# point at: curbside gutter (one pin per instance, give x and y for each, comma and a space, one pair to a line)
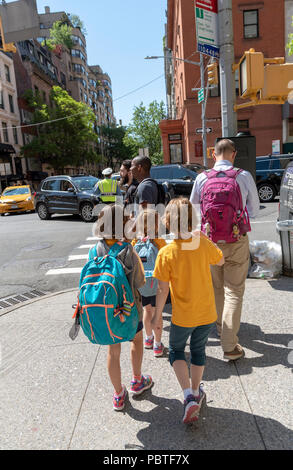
37, 299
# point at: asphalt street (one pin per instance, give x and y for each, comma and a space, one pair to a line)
48, 255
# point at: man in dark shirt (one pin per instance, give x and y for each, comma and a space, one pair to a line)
127, 183
147, 191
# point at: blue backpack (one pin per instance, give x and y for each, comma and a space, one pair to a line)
106, 307
148, 253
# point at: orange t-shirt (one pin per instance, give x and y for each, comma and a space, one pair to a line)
185, 265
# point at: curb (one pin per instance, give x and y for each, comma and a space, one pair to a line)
38, 299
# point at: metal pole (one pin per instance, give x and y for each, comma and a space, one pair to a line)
203, 112
227, 78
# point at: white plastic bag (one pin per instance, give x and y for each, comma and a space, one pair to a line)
266, 259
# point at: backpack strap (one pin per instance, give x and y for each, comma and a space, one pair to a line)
117, 248
230, 172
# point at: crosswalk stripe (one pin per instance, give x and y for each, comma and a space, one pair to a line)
91, 238
75, 257
83, 247
53, 272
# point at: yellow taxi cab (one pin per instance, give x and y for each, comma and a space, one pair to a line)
16, 199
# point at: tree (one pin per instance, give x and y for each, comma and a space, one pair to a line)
115, 148
60, 33
61, 142
77, 23
290, 43
144, 131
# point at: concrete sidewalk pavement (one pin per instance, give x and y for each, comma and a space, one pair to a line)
55, 393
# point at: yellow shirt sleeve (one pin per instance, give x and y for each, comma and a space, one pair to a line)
162, 270
160, 243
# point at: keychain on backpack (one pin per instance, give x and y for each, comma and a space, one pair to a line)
236, 231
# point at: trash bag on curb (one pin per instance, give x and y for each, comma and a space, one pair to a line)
266, 259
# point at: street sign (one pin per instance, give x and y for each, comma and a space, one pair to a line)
206, 14
200, 95
200, 130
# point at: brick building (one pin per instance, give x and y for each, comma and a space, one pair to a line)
255, 26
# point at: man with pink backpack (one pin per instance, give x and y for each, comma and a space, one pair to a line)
228, 198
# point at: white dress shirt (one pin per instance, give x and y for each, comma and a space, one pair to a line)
246, 183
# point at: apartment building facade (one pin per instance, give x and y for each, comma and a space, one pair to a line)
10, 134
255, 26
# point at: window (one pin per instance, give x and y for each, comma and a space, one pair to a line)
290, 127
5, 132
7, 73
176, 153
15, 136
65, 185
250, 24
11, 105
51, 185
175, 136
2, 100
243, 124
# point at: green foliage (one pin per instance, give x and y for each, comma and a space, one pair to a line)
69, 141
144, 131
60, 33
116, 148
289, 46
77, 23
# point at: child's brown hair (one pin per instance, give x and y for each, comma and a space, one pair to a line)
111, 222
148, 224
180, 217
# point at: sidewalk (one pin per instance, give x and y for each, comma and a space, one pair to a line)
55, 393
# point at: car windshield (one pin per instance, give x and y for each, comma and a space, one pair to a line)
85, 183
15, 192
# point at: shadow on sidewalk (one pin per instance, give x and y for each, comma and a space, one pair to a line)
216, 428
272, 350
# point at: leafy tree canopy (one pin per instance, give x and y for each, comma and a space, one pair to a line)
60, 33
144, 131
70, 141
116, 149
290, 43
77, 23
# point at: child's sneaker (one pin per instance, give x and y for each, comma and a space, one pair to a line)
149, 343
119, 400
139, 387
190, 410
200, 398
159, 350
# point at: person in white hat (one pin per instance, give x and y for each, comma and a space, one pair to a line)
108, 188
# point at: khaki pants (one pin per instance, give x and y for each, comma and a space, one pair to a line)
229, 285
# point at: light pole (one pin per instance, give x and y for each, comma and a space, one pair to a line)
204, 102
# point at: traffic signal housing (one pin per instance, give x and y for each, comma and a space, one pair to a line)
213, 74
251, 73
277, 81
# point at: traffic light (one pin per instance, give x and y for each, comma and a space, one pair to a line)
277, 81
251, 73
213, 74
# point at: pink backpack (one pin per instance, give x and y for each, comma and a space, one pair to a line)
223, 216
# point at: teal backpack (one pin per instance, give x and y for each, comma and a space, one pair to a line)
106, 309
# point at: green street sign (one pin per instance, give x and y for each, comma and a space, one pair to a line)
201, 95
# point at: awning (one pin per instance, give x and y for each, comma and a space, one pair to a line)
6, 149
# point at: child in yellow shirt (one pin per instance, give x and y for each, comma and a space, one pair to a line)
184, 266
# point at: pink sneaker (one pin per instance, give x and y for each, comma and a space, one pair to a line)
159, 351
119, 400
139, 387
149, 343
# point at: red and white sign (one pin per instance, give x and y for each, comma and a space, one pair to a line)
209, 5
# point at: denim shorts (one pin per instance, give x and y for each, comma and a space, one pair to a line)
148, 301
198, 340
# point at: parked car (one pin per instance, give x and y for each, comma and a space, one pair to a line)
67, 195
16, 199
269, 173
179, 177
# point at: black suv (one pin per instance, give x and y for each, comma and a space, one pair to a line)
179, 177
269, 173
66, 195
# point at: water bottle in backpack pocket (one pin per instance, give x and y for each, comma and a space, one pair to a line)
106, 307
148, 253
223, 217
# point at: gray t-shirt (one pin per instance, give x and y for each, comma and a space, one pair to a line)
147, 191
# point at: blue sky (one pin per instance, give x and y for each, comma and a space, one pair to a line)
120, 33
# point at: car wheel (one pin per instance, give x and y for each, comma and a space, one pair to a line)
266, 192
86, 212
43, 212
